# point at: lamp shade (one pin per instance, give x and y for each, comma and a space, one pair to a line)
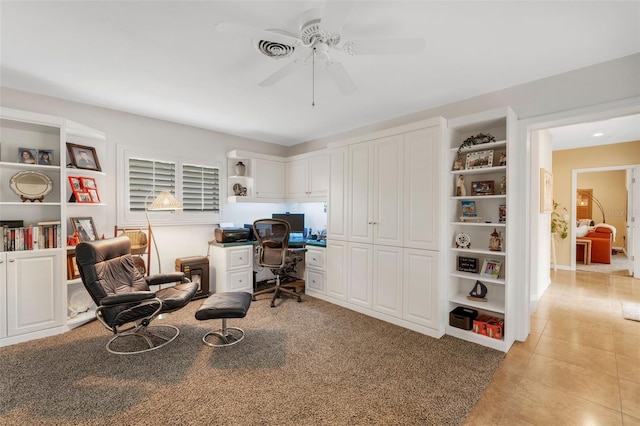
165, 201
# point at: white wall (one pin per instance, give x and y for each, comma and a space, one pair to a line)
541, 145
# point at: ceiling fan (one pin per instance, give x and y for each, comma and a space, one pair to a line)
320, 33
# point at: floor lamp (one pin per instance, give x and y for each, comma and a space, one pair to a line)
163, 202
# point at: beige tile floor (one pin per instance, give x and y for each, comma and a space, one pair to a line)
579, 366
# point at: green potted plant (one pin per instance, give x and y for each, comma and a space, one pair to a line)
559, 225
480, 138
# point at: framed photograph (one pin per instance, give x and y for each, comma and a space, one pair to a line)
468, 264
27, 155
491, 268
93, 193
76, 184
85, 227
83, 157
479, 159
546, 191
45, 157
88, 183
83, 197
483, 187
72, 267
469, 208
502, 213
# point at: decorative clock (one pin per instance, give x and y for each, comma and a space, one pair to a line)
463, 240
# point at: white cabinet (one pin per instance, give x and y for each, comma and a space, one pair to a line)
479, 184
387, 276
34, 292
338, 194
315, 270
232, 267
307, 178
360, 274
268, 178
34, 296
389, 183
336, 283
420, 287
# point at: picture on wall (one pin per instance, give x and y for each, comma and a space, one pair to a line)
546, 191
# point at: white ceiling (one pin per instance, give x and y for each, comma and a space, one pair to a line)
615, 130
166, 59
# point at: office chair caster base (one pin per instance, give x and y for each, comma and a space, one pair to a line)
229, 336
149, 334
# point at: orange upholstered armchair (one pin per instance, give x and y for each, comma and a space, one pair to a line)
601, 244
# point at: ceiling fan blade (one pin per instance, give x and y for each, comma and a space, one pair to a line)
400, 46
335, 15
282, 72
245, 30
342, 78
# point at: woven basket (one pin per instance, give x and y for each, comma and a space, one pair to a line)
139, 242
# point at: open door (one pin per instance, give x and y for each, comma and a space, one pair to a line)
633, 221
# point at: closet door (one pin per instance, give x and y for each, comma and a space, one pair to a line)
388, 190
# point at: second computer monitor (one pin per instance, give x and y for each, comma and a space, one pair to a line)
296, 220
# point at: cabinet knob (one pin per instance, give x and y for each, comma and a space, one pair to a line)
314, 259
239, 281
12, 260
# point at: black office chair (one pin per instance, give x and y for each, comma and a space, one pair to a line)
274, 253
125, 304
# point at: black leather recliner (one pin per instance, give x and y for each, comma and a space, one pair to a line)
125, 304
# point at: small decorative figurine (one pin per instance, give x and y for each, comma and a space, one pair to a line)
478, 293
460, 191
495, 243
503, 159
457, 164
503, 185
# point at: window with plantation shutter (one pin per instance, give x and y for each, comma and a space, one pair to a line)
195, 182
200, 188
149, 177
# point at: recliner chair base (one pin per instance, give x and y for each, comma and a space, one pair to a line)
228, 335
148, 334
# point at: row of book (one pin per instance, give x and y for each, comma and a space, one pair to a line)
43, 235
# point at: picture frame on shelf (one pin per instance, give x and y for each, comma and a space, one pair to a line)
85, 227
83, 197
546, 191
88, 183
491, 268
479, 159
483, 187
502, 213
45, 157
93, 193
467, 264
84, 190
27, 155
75, 183
468, 208
72, 267
83, 157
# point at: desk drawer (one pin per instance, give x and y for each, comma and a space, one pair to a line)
240, 281
315, 257
239, 257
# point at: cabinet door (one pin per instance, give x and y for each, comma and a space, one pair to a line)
422, 189
268, 178
388, 191
319, 176
338, 192
336, 269
360, 274
420, 290
387, 280
34, 291
296, 174
360, 217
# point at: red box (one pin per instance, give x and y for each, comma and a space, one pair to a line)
480, 325
495, 328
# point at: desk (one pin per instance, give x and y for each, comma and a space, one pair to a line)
586, 243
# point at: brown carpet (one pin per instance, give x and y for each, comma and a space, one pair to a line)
309, 363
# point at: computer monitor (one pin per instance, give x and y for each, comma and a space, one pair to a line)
296, 220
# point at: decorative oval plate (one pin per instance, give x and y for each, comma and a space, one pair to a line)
30, 185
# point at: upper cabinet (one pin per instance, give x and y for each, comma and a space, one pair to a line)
253, 178
307, 178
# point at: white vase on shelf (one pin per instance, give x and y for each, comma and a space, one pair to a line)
240, 168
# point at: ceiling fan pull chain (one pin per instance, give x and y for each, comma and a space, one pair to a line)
313, 80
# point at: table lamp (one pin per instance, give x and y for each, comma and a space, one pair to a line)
163, 202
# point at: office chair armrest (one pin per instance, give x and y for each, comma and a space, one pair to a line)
168, 277
123, 298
